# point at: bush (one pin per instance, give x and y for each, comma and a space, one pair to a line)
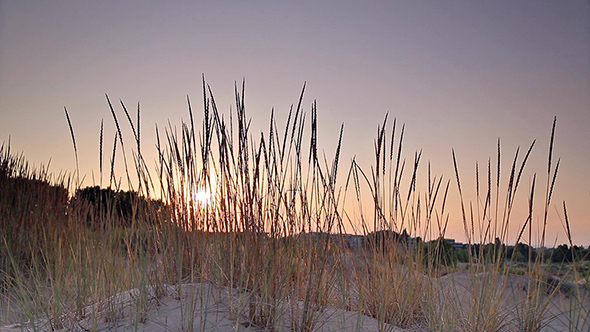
122, 208
439, 253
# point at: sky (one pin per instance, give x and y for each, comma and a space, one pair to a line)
459, 74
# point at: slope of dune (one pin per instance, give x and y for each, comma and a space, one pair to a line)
205, 307
202, 307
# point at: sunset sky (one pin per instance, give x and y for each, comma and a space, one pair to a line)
459, 74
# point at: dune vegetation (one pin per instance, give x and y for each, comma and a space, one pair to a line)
237, 230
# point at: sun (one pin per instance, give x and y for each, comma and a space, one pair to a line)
201, 196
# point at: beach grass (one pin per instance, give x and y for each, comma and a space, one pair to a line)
271, 241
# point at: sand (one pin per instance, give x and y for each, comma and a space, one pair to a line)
205, 307
212, 308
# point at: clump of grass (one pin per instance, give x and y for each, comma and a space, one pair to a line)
272, 234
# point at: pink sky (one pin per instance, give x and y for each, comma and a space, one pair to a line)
460, 74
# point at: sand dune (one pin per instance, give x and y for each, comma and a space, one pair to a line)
202, 307
205, 307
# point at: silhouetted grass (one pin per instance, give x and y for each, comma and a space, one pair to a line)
272, 234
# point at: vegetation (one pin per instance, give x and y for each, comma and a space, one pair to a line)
272, 234
439, 253
127, 207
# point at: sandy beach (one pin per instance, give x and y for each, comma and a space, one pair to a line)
206, 307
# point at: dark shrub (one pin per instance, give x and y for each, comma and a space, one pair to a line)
119, 208
439, 253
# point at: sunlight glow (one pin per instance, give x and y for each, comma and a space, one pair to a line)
201, 196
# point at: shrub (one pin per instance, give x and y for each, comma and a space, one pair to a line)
439, 253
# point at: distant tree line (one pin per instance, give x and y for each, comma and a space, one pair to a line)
30, 201
119, 208
523, 253
441, 252
564, 253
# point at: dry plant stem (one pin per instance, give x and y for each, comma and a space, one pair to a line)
75, 148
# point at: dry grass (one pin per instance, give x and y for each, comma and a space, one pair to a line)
271, 235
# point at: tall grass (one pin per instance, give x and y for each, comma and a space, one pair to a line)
271, 236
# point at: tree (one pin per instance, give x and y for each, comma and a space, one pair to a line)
439, 252
121, 207
520, 253
561, 254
